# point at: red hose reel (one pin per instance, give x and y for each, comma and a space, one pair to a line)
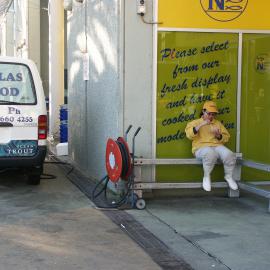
118, 160
119, 165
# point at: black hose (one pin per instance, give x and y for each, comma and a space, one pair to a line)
124, 158
104, 189
95, 195
60, 163
122, 200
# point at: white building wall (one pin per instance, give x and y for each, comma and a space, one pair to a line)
44, 46
34, 31
138, 109
7, 33
9, 43
22, 30
3, 38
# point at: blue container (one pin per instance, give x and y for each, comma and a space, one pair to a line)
63, 123
63, 112
63, 131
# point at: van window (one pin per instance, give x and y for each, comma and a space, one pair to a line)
16, 84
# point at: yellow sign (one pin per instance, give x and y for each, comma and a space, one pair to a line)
192, 68
214, 14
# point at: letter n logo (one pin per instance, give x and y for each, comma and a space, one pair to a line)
219, 4
224, 10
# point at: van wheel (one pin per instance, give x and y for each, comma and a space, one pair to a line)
33, 179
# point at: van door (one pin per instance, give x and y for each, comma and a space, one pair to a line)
19, 111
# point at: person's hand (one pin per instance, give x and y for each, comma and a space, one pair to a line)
217, 132
203, 123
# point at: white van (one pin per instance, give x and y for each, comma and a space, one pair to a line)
23, 118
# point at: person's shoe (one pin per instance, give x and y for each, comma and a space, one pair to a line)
206, 183
232, 184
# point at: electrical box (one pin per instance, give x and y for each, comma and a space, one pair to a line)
141, 9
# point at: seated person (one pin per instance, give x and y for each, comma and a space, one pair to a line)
208, 137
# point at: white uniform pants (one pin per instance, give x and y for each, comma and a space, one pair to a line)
209, 156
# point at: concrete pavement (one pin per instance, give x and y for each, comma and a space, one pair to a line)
54, 226
212, 232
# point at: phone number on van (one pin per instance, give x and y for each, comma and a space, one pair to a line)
21, 119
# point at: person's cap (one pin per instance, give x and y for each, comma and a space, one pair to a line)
210, 106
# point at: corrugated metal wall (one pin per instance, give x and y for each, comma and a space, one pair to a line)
95, 106
120, 89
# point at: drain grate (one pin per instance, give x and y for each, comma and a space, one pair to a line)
156, 249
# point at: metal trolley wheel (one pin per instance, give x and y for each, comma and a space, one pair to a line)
140, 204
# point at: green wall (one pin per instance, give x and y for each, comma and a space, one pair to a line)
255, 105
